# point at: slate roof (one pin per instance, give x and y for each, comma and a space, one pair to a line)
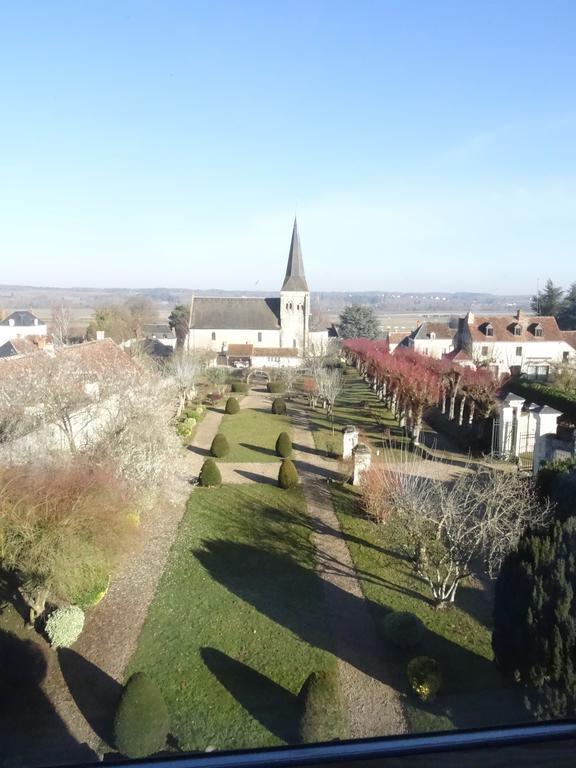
295, 279
441, 331
22, 317
504, 328
254, 314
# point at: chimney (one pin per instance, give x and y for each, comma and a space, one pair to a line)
470, 318
100, 335
519, 314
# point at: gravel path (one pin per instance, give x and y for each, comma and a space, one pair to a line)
374, 708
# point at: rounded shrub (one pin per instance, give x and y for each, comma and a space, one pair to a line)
219, 447
287, 476
92, 595
186, 427
141, 723
320, 709
284, 445
425, 677
402, 629
276, 387
64, 626
232, 406
279, 406
210, 476
239, 387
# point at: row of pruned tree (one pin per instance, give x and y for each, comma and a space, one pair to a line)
409, 383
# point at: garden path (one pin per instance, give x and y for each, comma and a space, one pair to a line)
374, 708
83, 683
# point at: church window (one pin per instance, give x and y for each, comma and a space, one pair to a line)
286, 305
213, 335
291, 305
259, 335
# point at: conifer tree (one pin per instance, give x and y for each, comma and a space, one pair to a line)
548, 302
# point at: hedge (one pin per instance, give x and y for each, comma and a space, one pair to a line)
287, 476
402, 629
544, 394
276, 387
284, 445
232, 406
279, 406
210, 476
219, 447
141, 723
320, 709
239, 387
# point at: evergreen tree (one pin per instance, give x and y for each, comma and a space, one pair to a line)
549, 301
534, 636
178, 321
567, 314
359, 321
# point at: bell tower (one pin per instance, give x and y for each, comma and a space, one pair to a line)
294, 299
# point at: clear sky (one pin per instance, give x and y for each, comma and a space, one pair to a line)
425, 145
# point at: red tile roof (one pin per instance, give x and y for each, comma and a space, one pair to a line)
569, 337
503, 328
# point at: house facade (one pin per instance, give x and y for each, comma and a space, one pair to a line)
432, 339
19, 324
270, 323
513, 344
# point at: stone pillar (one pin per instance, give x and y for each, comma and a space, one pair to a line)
546, 424
349, 440
509, 432
362, 460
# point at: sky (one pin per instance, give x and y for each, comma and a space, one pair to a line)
424, 145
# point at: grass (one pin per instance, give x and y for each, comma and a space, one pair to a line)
252, 435
238, 621
459, 637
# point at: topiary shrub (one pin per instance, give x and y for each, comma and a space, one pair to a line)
219, 447
276, 387
402, 629
284, 445
287, 476
64, 626
320, 709
279, 406
425, 677
210, 476
141, 723
232, 406
239, 387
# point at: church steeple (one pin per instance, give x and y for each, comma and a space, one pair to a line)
295, 279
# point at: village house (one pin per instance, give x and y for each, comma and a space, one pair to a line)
269, 325
513, 344
432, 339
20, 324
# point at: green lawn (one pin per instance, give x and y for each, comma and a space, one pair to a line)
459, 638
252, 435
238, 620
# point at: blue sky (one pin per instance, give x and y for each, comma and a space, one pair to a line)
424, 145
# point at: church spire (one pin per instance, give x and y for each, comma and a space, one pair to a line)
295, 279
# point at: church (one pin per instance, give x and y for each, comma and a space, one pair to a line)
274, 330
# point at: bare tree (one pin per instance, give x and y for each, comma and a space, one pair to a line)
61, 320
443, 527
185, 371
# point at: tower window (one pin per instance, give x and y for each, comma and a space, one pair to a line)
286, 305
294, 343
213, 335
291, 305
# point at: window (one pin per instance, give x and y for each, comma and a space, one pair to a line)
294, 343
565, 356
213, 335
489, 330
484, 351
259, 335
517, 329
538, 330
518, 351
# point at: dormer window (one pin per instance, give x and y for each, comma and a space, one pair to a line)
489, 329
537, 330
431, 335
517, 329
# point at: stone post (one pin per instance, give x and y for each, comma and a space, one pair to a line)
546, 424
510, 414
362, 460
349, 440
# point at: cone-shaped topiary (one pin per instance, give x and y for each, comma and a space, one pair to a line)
219, 447
210, 476
320, 709
403, 629
232, 406
279, 406
284, 445
141, 723
287, 476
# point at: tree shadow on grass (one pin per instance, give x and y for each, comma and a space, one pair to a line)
256, 477
474, 602
31, 731
198, 451
96, 694
9, 593
259, 449
270, 704
278, 587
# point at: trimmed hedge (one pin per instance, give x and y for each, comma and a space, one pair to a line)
320, 709
287, 476
232, 406
276, 387
142, 722
402, 629
239, 387
279, 406
544, 394
219, 447
425, 677
284, 445
210, 476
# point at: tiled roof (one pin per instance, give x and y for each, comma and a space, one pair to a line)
569, 337
89, 357
240, 350
440, 331
22, 317
20, 346
503, 328
457, 354
254, 314
275, 352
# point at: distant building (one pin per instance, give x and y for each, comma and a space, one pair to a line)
283, 322
19, 324
432, 339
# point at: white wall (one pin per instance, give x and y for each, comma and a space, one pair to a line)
432, 347
9, 332
534, 353
201, 338
276, 362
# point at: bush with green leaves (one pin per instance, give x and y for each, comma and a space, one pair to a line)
425, 677
219, 447
402, 629
279, 406
210, 476
64, 626
92, 595
320, 708
186, 427
276, 387
239, 387
232, 406
287, 476
284, 445
142, 722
